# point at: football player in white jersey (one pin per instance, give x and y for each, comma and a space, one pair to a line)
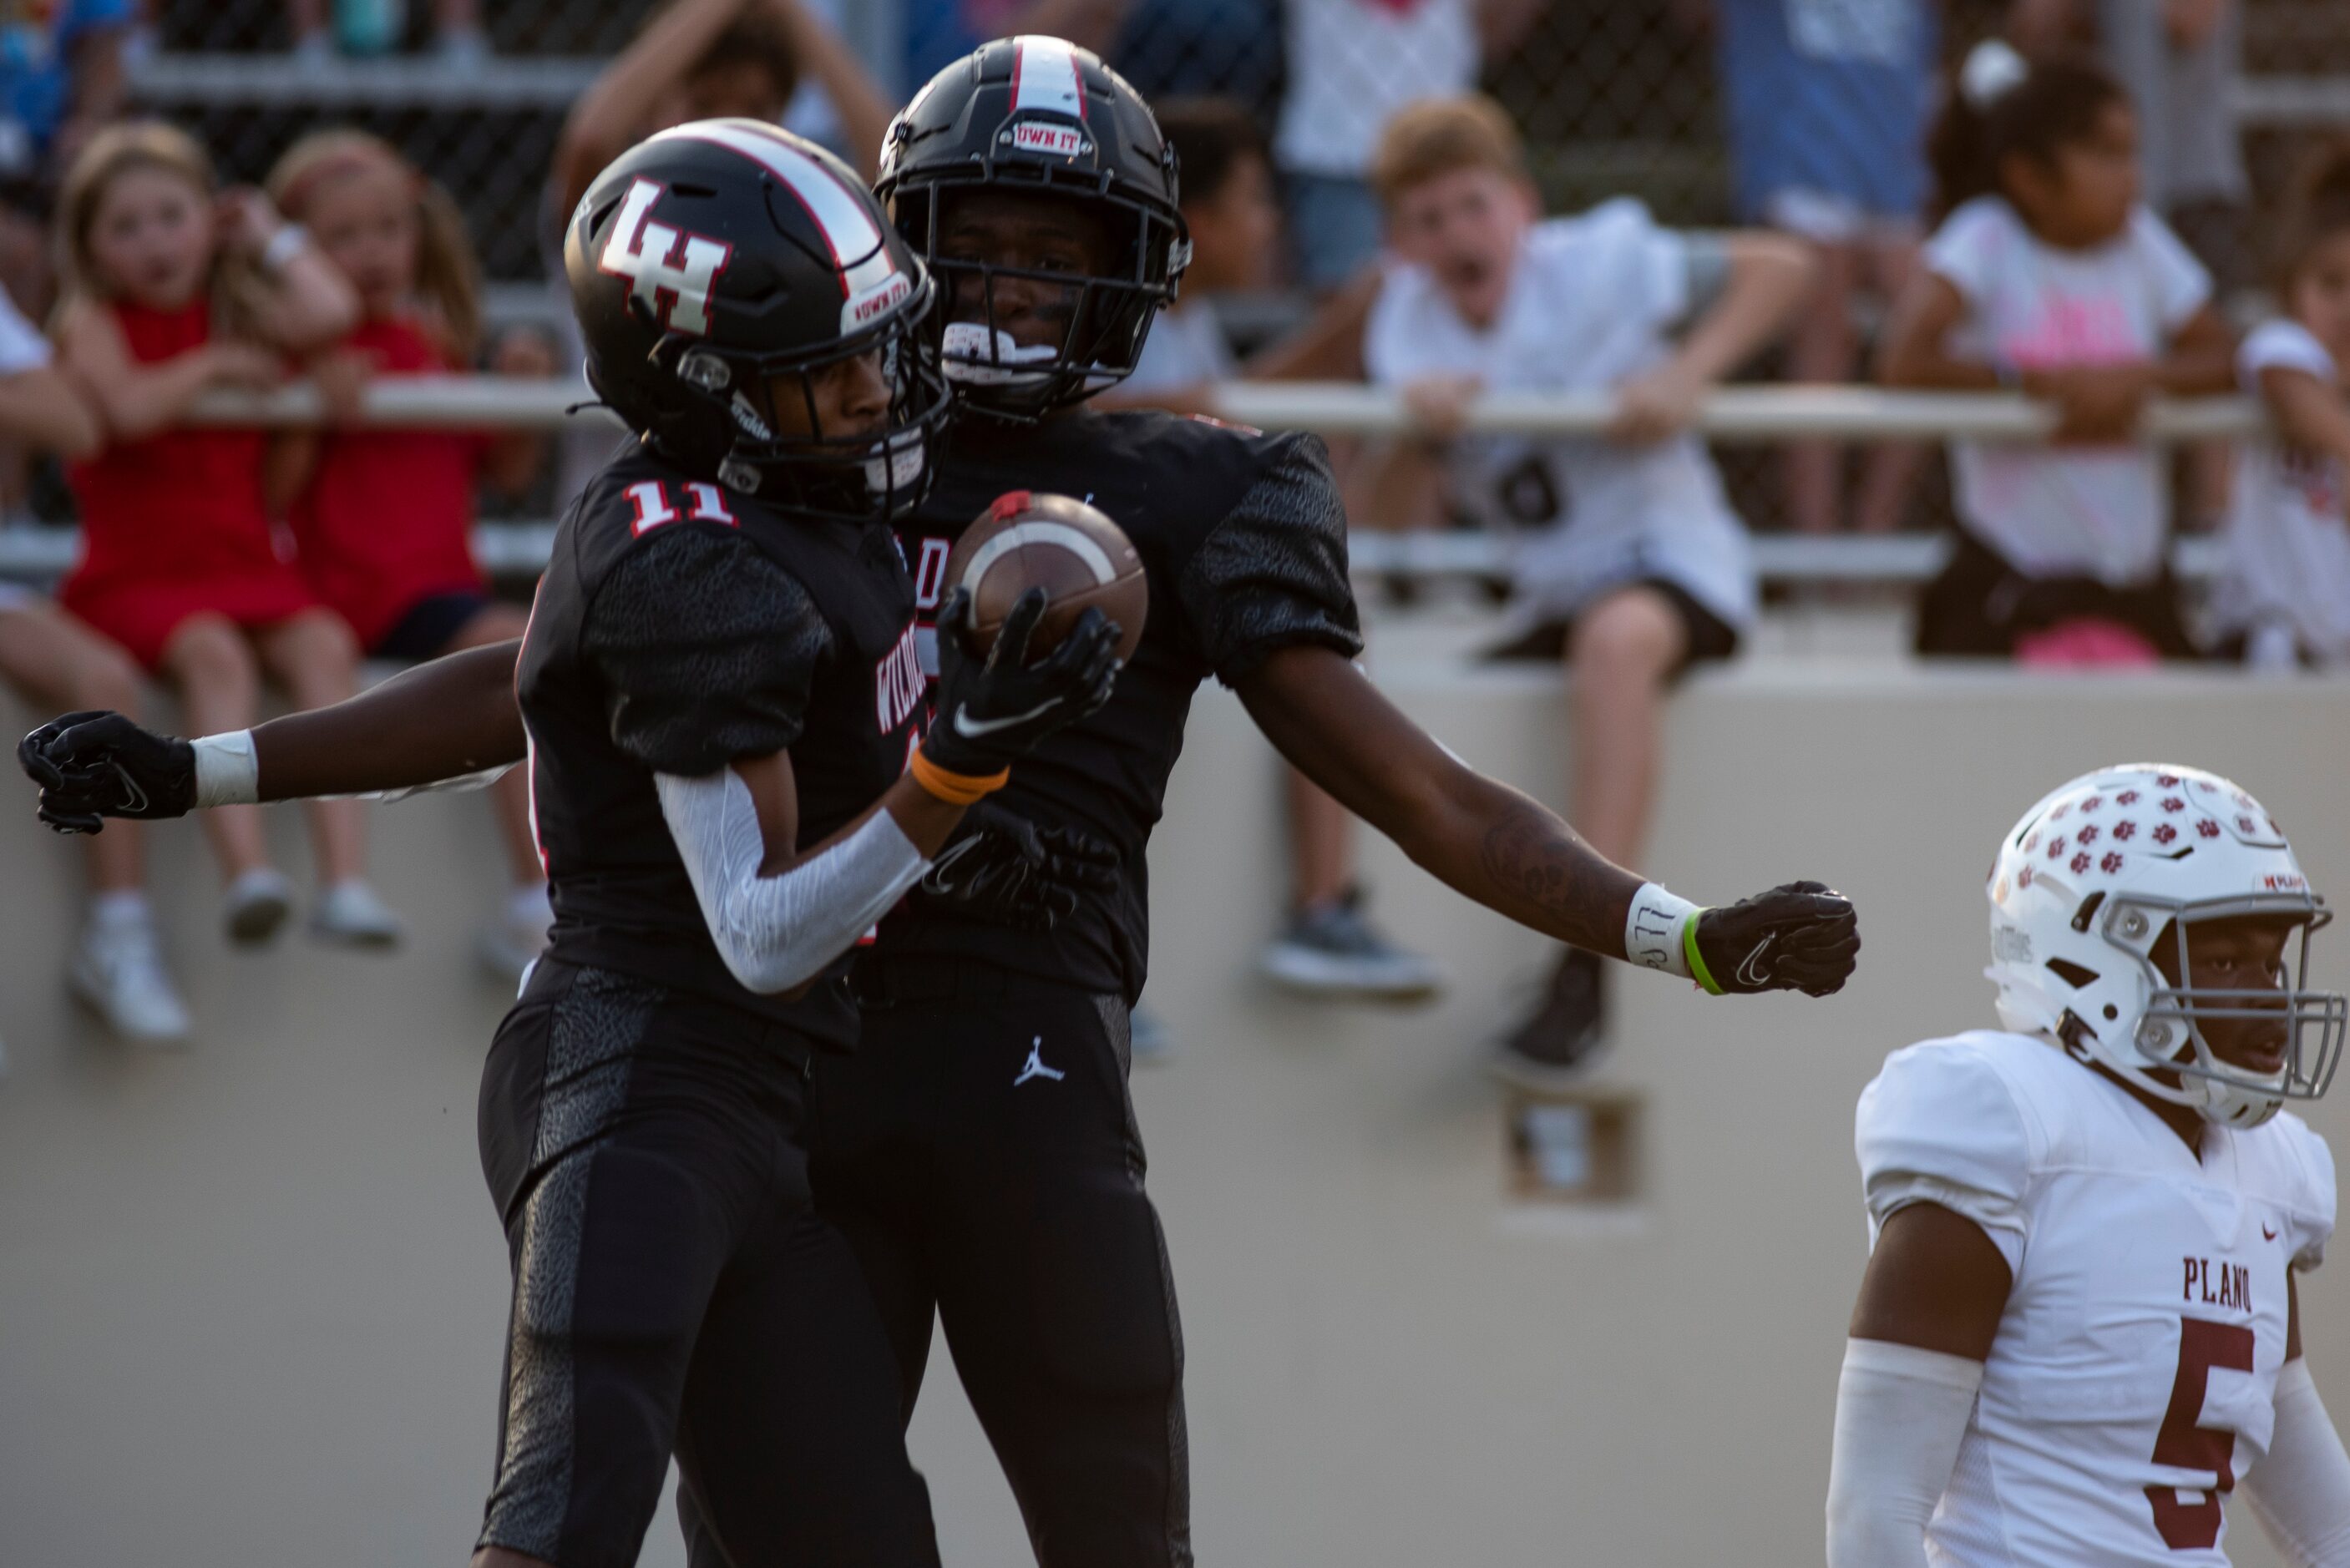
2078, 1330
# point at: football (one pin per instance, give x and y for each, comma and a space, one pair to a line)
1072, 551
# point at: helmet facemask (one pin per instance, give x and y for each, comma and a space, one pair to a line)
867, 476
2171, 1035
1107, 312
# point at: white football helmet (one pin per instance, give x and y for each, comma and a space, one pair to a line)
2103, 869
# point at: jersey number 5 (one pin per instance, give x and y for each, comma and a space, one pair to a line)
2185, 1442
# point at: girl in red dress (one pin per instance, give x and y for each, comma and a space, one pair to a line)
384, 518
173, 290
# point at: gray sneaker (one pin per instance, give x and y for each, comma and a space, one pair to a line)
352, 915
1557, 1042
257, 903
1333, 951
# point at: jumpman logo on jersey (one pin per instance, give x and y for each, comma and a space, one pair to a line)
1035, 1067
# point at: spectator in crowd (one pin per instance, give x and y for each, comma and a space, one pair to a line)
696, 59
61, 79
1328, 945
1172, 50
384, 518
1825, 108
712, 59
173, 290
1629, 561
55, 663
321, 28
2284, 597
2180, 61
2048, 274
1353, 64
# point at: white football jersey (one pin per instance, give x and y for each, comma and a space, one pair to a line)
2134, 1378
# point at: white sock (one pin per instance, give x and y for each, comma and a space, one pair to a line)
113, 912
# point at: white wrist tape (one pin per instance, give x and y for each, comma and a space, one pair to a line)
1653, 931
2301, 1492
1901, 1415
776, 932
228, 772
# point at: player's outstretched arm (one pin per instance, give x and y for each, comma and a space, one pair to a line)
440, 720
1491, 843
2301, 1492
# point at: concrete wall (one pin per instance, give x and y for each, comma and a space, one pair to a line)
251, 1297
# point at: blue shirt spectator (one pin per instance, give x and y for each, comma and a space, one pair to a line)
1202, 49
38, 45
1826, 102
941, 32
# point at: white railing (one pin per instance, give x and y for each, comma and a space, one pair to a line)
1737, 414
1743, 414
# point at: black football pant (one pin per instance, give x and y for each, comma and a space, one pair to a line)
673, 1291
980, 1153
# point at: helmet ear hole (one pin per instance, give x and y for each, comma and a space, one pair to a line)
2071, 973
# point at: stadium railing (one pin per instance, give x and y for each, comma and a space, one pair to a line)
1733, 415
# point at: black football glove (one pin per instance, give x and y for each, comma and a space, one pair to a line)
95, 765
992, 709
1003, 868
1802, 936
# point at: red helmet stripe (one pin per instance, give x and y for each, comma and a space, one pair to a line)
838, 212
1045, 77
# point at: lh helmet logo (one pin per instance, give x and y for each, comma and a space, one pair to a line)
672, 272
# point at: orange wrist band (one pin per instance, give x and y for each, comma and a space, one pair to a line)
955, 789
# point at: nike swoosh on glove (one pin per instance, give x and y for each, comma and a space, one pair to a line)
991, 710
1800, 936
95, 765
1002, 867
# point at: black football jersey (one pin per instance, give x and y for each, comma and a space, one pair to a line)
681, 625
1244, 541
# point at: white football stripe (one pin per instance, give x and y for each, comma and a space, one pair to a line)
1075, 541
840, 217
1045, 77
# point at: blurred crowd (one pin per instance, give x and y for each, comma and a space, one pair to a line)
2061, 208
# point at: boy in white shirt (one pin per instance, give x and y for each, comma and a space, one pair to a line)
1629, 558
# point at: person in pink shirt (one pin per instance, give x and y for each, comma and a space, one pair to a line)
2049, 275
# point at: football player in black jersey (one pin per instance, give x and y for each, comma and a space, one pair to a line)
725, 709
979, 1150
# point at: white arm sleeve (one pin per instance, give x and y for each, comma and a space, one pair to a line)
1901, 1414
776, 932
2301, 1492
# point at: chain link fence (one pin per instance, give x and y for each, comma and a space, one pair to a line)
1614, 98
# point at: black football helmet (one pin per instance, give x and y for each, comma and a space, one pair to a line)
712, 266
1039, 115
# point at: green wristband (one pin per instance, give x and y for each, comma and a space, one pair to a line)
1698, 971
